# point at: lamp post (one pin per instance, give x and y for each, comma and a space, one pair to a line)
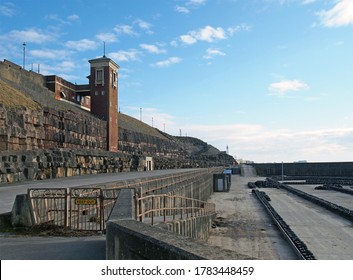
24, 55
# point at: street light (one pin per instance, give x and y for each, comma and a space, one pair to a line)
24, 55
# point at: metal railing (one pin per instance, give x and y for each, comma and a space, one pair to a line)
166, 207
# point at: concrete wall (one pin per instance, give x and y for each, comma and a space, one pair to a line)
128, 239
334, 169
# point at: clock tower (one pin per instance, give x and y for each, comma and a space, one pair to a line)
103, 82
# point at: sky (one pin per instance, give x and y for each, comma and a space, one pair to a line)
272, 80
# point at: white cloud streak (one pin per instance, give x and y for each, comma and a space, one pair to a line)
7, 9
167, 63
340, 15
285, 86
130, 55
82, 45
258, 142
152, 49
50, 54
31, 35
208, 34
212, 53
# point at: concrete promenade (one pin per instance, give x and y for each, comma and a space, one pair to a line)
8, 192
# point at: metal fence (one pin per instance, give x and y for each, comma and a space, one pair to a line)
74, 208
163, 208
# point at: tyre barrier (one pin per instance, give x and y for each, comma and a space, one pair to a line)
313, 180
335, 187
337, 209
298, 245
261, 184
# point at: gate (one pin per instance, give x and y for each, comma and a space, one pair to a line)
74, 208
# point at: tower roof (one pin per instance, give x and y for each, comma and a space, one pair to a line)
104, 61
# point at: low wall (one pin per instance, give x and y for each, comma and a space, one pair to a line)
128, 239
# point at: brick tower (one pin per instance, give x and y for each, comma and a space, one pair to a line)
104, 96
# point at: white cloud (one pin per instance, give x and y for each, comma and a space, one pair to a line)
125, 29
152, 49
263, 144
82, 45
241, 27
191, 4
50, 54
124, 55
144, 25
31, 35
208, 34
212, 53
7, 9
60, 69
70, 19
73, 17
306, 2
168, 62
107, 37
196, 2
340, 15
258, 142
284, 86
182, 10
188, 39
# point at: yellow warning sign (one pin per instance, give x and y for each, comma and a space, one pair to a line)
85, 201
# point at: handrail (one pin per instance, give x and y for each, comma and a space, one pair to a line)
171, 206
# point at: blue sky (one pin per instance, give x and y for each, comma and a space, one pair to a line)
270, 79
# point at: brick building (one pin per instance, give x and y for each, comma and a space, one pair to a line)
100, 96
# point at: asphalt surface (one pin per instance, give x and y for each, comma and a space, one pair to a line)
52, 248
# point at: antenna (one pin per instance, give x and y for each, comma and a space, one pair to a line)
103, 49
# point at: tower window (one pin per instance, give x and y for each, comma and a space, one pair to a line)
99, 77
115, 79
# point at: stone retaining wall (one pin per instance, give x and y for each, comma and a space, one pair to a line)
48, 164
22, 129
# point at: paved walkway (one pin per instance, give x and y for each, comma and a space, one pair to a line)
8, 192
244, 227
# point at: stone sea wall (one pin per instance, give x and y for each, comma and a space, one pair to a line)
48, 164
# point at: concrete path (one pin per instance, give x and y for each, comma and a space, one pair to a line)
8, 192
327, 235
246, 228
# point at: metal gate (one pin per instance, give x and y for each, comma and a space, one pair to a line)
74, 208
